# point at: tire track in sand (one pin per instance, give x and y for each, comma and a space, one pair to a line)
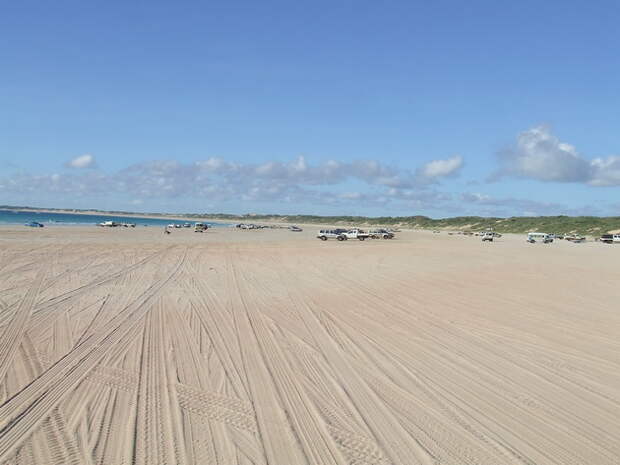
315, 440
277, 439
398, 445
12, 336
157, 440
21, 414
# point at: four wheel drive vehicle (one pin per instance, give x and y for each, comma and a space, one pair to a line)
34, 224
359, 234
200, 227
488, 237
356, 234
607, 238
610, 238
338, 234
381, 234
534, 237
295, 229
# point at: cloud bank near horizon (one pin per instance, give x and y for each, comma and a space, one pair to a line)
219, 179
537, 154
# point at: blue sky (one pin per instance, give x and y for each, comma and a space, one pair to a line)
375, 108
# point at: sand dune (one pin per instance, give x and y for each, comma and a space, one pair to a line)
269, 347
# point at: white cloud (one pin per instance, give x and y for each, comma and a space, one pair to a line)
432, 171
540, 155
606, 171
216, 179
82, 161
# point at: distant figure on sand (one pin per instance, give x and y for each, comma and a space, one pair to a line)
166, 231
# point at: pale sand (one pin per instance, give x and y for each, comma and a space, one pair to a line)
122, 346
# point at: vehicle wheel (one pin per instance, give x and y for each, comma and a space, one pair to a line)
323, 238
361, 238
340, 238
385, 237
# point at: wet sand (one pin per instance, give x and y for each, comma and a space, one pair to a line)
127, 346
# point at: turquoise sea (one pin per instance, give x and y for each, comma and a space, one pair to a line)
68, 219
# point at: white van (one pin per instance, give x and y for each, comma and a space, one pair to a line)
610, 238
533, 237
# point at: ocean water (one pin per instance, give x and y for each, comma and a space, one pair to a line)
68, 219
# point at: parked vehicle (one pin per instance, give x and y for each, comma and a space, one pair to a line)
610, 238
381, 234
200, 227
249, 226
534, 237
337, 234
358, 234
488, 237
295, 229
187, 225
34, 224
109, 224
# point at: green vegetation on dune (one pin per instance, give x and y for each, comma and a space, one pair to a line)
583, 225
590, 225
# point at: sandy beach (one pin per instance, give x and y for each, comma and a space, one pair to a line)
128, 346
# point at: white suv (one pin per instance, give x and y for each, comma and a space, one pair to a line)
337, 234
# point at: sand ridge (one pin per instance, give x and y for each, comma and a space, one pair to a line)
271, 347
